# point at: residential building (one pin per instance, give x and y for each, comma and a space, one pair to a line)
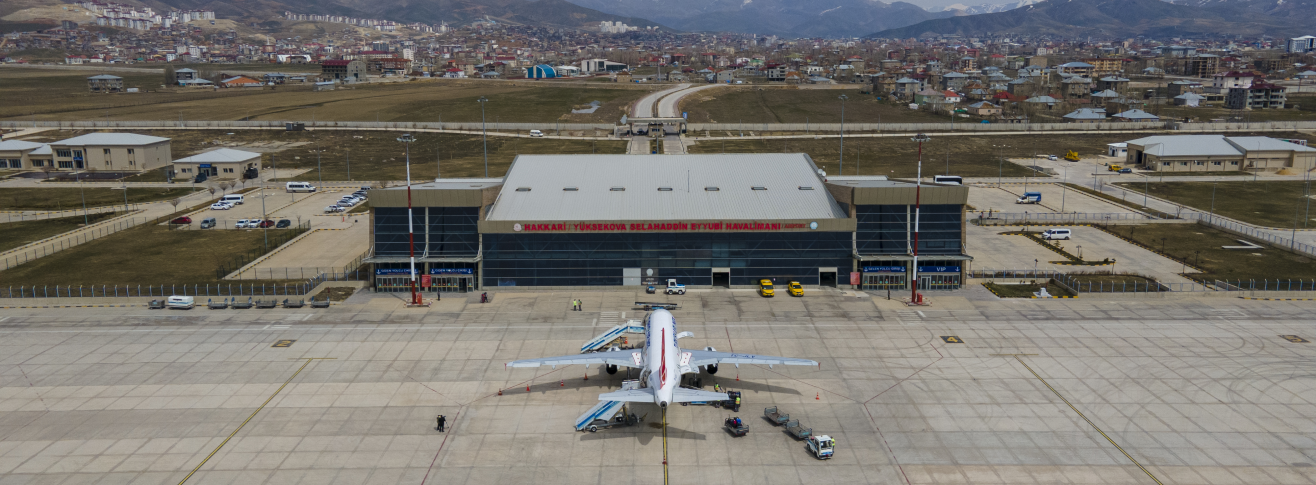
1086, 115
984, 109
353, 70
1113, 83
1189, 100
1207, 153
1081, 69
184, 74
1222, 82
1135, 115
1259, 95
1180, 87
1202, 65
1106, 66
241, 82
1302, 44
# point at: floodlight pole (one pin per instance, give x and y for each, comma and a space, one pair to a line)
841, 171
406, 140
485, 135
918, 188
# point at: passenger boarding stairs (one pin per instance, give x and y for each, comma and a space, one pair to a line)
605, 410
607, 338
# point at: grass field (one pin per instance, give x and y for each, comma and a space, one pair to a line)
1026, 290
62, 95
15, 234
782, 105
67, 198
149, 254
967, 156
1201, 246
1267, 203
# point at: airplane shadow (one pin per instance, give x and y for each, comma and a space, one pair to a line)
743, 386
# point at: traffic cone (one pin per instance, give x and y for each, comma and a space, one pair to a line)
817, 397
562, 383
527, 388
500, 392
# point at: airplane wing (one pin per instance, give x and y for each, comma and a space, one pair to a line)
631, 395
622, 358
706, 357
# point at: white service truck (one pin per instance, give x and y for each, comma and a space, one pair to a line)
674, 288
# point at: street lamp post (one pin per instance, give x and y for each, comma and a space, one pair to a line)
1064, 189
1213, 187
918, 188
349, 164
485, 135
406, 140
842, 152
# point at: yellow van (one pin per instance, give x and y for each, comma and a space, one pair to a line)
765, 288
795, 288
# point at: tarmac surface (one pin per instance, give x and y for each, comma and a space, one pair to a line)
1174, 391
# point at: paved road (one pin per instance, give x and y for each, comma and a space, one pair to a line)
670, 106
644, 108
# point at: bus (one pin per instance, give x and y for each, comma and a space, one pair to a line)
948, 179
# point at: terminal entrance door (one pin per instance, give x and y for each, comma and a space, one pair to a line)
884, 281
722, 277
452, 284
389, 284
827, 277
939, 281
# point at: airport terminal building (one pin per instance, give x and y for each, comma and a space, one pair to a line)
705, 220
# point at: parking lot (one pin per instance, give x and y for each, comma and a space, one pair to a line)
1059, 391
1055, 198
279, 204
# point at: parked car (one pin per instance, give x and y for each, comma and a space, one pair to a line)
182, 220
265, 224
333, 208
235, 199
1051, 234
536, 133
1125, 170
208, 223
283, 223
241, 224
221, 206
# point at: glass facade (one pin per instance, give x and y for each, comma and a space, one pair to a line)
452, 231
582, 259
884, 229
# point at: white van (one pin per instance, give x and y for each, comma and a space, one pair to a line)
1050, 234
948, 179
536, 133
299, 187
234, 199
184, 302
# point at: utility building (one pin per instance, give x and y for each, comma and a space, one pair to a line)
1214, 153
705, 220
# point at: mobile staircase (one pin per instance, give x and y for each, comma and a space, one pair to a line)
606, 339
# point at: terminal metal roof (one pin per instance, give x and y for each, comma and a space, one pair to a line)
1260, 143
1185, 145
220, 156
18, 145
664, 187
110, 139
455, 184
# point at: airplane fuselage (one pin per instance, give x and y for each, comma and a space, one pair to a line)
662, 356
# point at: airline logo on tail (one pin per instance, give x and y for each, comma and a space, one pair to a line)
662, 369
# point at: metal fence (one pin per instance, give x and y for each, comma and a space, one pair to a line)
1252, 232
161, 291
1075, 281
24, 216
293, 272
70, 239
276, 240
1015, 218
756, 127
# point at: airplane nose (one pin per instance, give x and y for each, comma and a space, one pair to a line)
662, 404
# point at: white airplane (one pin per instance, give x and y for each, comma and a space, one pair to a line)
662, 363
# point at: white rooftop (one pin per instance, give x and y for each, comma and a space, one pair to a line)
18, 145
220, 155
1186, 145
110, 139
663, 187
1259, 143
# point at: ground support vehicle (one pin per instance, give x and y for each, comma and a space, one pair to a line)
795, 288
609, 414
181, 302
822, 446
320, 303
606, 339
1030, 198
241, 305
777, 418
1071, 156
294, 304
217, 305
155, 304
674, 288
765, 288
267, 303
735, 426
730, 403
650, 305
797, 430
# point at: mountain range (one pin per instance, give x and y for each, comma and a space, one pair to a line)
1126, 18
788, 18
543, 13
